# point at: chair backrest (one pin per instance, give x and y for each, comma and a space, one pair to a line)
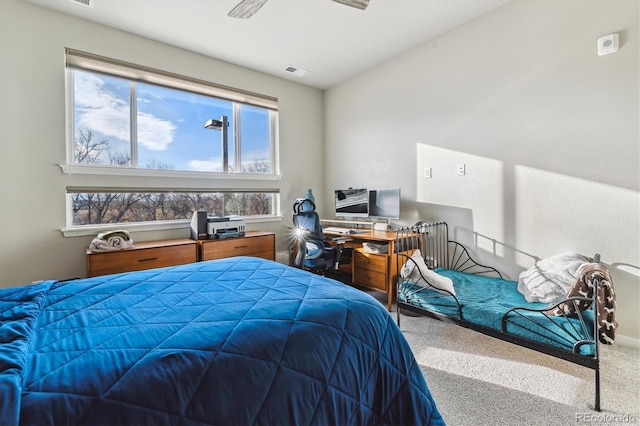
305, 218
307, 225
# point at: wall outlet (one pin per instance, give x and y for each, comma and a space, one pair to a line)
427, 172
461, 169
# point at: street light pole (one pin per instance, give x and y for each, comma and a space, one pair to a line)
223, 126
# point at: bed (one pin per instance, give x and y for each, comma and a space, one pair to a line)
233, 341
438, 278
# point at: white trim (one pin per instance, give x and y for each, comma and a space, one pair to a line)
76, 59
628, 342
133, 123
275, 146
92, 230
83, 169
69, 115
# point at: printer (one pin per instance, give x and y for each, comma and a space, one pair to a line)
205, 227
225, 227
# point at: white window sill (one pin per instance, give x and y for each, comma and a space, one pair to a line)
79, 169
86, 230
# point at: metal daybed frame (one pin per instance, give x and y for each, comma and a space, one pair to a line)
438, 251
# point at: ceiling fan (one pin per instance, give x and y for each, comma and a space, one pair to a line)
246, 8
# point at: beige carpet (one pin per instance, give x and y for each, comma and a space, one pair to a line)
479, 380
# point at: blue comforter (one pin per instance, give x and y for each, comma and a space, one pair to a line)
236, 341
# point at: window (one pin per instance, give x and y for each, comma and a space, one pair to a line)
127, 120
127, 207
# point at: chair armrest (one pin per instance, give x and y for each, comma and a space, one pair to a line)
341, 240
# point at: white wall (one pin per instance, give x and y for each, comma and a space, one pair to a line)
32, 134
548, 130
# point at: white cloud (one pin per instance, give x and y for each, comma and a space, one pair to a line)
103, 112
212, 165
154, 133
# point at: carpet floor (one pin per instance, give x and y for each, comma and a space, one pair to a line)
480, 380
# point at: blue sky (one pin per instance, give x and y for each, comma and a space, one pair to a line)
170, 123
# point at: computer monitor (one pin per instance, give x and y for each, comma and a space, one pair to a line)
352, 202
384, 204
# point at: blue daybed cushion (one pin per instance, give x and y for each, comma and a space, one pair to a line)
485, 300
234, 341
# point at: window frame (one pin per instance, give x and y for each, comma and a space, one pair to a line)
101, 178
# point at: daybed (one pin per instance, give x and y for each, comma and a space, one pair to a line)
439, 279
236, 341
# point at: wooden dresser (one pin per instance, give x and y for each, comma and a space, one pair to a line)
144, 255
254, 243
156, 254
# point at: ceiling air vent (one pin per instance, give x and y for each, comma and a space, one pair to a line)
88, 3
296, 71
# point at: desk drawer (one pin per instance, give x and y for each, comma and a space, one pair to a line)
372, 261
370, 279
260, 246
139, 259
370, 270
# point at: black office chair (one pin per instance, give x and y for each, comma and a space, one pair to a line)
314, 253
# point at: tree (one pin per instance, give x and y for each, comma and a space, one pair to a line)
94, 208
87, 149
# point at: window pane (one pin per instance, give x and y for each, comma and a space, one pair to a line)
171, 132
132, 122
102, 120
255, 145
103, 207
249, 204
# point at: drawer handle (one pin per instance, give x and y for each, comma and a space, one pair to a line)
240, 247
148, 259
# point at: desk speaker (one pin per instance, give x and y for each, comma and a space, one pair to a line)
199, 225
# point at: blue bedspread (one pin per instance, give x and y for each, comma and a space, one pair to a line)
235, 341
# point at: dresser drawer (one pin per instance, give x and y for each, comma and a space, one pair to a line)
156, 255
262, 245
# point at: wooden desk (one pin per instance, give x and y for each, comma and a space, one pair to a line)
376, 271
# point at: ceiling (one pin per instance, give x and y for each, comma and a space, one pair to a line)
331, 41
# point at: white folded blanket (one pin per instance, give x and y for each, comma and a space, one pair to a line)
111, 243
550, 279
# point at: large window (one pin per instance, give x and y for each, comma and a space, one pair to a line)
127, 120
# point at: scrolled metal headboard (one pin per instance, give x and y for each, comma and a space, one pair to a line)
437, 250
